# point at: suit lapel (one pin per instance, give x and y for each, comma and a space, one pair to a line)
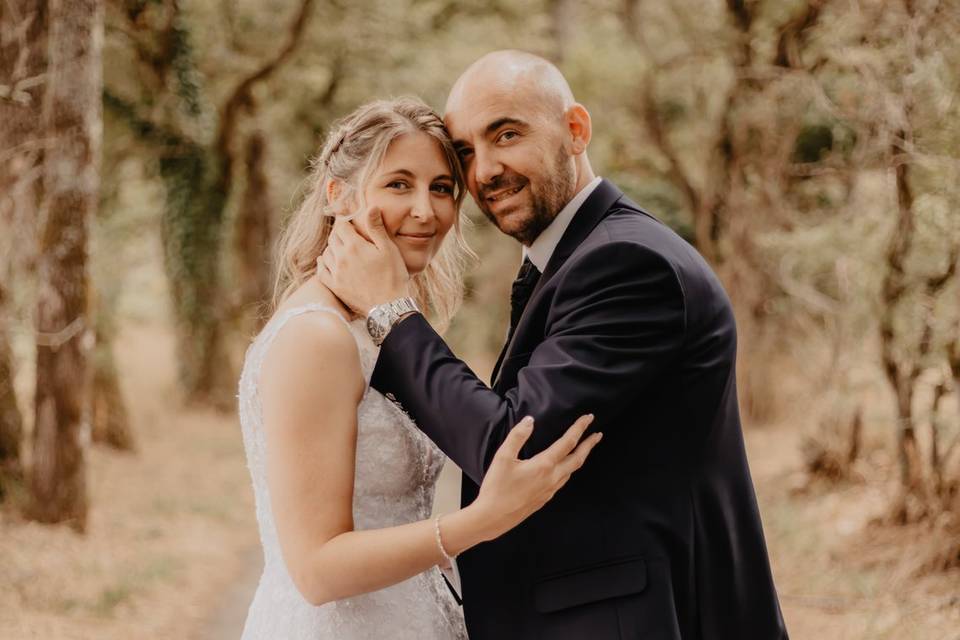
594, 209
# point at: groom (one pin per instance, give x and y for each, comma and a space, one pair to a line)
658, 536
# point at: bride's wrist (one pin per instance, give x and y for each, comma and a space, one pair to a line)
464, 529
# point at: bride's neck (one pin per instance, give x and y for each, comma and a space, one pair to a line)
312, 290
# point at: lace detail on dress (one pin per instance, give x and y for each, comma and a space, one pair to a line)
396, 472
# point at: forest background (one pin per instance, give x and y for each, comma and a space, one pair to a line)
151, 149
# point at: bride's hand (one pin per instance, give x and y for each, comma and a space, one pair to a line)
513, 489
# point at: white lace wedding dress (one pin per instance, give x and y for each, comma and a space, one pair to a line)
396, 473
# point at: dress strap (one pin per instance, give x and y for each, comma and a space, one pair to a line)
293, 312
277, 322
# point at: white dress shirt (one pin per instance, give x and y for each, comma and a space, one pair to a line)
543, 247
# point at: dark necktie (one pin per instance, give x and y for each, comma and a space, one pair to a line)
520, 293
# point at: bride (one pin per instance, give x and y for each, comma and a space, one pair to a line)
343, 480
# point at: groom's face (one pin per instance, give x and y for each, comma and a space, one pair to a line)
515, 157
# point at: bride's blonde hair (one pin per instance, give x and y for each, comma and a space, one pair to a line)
351, 155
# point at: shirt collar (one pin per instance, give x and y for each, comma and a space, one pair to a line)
542, 248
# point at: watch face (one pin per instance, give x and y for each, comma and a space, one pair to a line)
375, 326
383, 317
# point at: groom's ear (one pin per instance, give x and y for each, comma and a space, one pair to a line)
580, 128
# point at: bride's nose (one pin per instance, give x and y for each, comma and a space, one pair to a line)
422, 207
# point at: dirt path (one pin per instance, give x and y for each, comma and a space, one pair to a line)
166, 526
226, 621
840, 576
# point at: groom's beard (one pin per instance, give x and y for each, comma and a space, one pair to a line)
546, 198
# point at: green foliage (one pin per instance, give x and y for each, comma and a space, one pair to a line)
812, 143
187, 84
192, 240
796, 157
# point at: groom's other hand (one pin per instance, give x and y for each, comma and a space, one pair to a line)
361, 264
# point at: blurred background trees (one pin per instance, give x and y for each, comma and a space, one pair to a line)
70, 121
807, 148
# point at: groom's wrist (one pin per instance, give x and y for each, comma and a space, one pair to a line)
381, 319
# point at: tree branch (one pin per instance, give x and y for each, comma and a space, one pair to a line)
793, 35
142, 126
242, 96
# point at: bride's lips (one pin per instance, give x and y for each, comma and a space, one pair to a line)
423, 238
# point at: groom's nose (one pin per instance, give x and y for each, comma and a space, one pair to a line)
486, 167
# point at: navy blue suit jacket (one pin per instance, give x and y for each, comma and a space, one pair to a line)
658, 536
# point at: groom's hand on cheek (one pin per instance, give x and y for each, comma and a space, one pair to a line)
363, 269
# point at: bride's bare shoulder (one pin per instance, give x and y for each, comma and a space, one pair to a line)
313, 345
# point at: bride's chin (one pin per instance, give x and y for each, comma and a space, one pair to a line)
415, 265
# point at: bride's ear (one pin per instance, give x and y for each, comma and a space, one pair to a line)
334, 189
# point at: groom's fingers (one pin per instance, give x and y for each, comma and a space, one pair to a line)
378, 232
341, 233
323, 270
331, 254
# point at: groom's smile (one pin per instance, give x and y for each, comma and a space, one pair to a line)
498, 199
504, 194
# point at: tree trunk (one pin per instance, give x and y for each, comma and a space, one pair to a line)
192, 228
198, 179
23, 40
255, 231
72, 123
109, 419
11, 422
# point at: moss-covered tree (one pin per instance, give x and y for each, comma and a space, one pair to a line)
198, 173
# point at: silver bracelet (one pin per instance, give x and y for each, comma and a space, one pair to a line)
443, 551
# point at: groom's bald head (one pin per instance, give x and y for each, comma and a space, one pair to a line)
521, 138
525, 75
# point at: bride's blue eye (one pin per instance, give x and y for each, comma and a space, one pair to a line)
397, 184
443, 188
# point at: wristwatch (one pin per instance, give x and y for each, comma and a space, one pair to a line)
381, 318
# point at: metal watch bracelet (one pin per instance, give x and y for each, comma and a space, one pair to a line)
382, 318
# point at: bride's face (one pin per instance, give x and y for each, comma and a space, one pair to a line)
413, 187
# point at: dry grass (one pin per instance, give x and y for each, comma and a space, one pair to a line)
171, 549
169, 527
840, 574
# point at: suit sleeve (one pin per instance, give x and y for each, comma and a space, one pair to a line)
616, 322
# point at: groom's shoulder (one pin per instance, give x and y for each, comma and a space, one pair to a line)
626, 220
628, 226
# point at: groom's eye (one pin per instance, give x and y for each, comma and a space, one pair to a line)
464, 154
507, 136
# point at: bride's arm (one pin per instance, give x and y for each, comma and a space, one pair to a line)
311, 385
